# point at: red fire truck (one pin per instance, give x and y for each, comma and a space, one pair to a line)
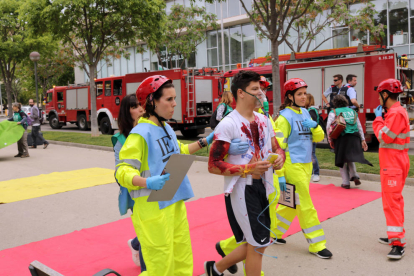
197, 97
370, 64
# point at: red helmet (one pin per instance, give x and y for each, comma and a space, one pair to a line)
149, 86
294, 84
391, 85
264, 82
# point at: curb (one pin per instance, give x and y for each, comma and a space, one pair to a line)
324, 172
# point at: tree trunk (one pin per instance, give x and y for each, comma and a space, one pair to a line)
277, 100
94, 115
9, 97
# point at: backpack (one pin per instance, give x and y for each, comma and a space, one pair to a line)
319, 119
337, 126
213, 120
29, 120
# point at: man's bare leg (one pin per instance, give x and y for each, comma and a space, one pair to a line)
236, 256
254, 260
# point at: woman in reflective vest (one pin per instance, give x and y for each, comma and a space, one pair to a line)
350, 145
162, 227
296, 124
393, 133
130, 111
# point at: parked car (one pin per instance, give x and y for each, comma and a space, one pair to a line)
27, 109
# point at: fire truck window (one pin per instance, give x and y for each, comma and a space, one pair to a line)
108, 88
49, 97
99, 89
117, 87
60, 96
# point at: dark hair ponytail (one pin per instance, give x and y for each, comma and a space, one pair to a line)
125, 121
288, 102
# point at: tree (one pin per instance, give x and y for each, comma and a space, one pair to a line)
184, 31
97, 28
331, 13
15, 44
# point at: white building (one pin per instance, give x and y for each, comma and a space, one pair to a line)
242, 43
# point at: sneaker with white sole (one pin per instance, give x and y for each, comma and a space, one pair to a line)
316, 178
277, 241
209, 269
386, 241
323, 254
396, 252
135, 253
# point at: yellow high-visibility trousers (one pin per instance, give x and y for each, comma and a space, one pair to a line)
299, 175
164, 236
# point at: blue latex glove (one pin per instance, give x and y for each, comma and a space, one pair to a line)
209, 138
378, 111
157, 182
237, 147
309, 123
282, 183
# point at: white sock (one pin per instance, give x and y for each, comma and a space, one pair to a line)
215, 269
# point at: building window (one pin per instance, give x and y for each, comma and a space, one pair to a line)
380, 18
235, 45
212, 49
358, 36
340, 40
248, 42
226, 47
398, 18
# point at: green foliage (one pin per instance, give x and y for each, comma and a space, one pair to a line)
184, 31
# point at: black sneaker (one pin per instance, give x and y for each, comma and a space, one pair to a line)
396, 252
346, 186
278, 241
209, 268
323, 254
385, 241
233, 269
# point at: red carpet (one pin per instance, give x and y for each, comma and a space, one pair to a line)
87, 251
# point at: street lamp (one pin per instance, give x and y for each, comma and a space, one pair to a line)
35, 56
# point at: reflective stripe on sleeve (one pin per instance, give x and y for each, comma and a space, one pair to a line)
387, 131
279, 134
297, 201
317, 239
282, 219
396, 229
285, 140
281, 229
312, 229
403, 135
140, 193
393, 146
133, 162
146, 174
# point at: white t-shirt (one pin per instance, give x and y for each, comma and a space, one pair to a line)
235, 126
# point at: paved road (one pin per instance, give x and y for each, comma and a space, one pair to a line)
352, 236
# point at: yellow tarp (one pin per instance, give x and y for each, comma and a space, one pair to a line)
49, 184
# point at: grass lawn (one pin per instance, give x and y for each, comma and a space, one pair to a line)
325, 157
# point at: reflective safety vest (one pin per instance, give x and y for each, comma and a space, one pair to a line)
350, 117
160, 147
394, 133
300, 137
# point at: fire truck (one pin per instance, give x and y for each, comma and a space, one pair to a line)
197, 97
371, 65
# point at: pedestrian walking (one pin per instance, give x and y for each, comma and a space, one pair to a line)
299, 128
162, 227
36, 115
350, 145
248, 179
21, 119
314, 113
130, 111
393, 133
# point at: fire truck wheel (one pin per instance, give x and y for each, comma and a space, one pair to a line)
54, 122
190, 133
105, 126
82, 123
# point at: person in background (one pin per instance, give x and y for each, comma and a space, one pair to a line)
393, 133
35, 115
21, 119
314, 113
129, 113
350, 144
348, 91
332, 91
224, 107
